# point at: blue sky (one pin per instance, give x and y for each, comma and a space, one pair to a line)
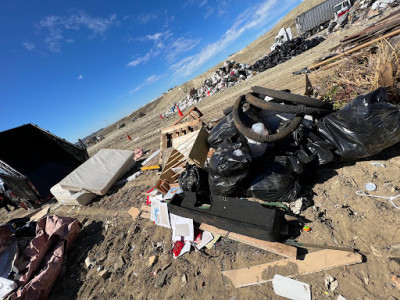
73, 67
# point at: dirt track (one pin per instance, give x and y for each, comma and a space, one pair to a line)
339, 218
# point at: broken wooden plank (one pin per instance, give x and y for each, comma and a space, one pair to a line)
313, 262
274, 247
40, 214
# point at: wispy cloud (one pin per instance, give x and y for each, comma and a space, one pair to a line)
260, 15
56, 27
148, 81
202, 3
166, 46
209, 12
29, 46
146, 18
139, 60
80, 77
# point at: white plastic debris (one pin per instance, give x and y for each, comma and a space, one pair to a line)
370, 186
258, 149
6, 287
290, 288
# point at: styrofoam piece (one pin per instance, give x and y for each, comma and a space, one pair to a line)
290, 288
71, 198
99, 172
6, 287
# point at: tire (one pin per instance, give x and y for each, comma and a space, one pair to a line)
254, 100
247, 132
294, 98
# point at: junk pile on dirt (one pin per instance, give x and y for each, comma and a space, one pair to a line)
29, 175
32, 251
228, 75
240, 179
285, 52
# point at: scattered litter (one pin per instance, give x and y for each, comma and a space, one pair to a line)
340, 297
172, 192
180, 248
134, 212
290, 288
396, 281
161, 279
330, 282
159, 213
212, 243
182, 228
391, 199
202, 239
89, 262
370, 186
152, 261
378, 164
104, 274
6, 287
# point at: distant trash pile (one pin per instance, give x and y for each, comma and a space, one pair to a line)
285, 52
228, 75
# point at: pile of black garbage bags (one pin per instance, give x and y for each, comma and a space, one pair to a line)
285, 52
362, 128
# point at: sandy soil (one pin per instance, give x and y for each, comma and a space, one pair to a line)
338, 218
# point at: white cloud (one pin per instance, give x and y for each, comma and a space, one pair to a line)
146, 18
209, 12
153, 78
80, 77
260, 15
166, 46
148, 81
135, 90
29, 46
58, 25
202, 3
139, 60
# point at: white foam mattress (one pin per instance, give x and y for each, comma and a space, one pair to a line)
71, 198
99, 172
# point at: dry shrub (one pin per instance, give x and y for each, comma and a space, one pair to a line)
362, 73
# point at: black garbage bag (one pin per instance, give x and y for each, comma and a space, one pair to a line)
229, 168
194, 179
315, 149
278, 181
225, 129
364, 127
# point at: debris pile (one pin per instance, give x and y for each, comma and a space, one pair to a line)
285, 52
228, 75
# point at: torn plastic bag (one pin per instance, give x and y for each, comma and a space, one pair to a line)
278, 181
364, 127
225, 129
229, 167
194, 179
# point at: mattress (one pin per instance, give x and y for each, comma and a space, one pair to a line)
100, 172
71, 198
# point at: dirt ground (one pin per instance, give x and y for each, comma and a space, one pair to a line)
338, 218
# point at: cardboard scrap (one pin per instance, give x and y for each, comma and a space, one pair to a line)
134, 212
312, 262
